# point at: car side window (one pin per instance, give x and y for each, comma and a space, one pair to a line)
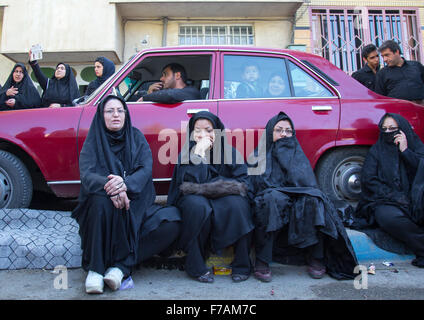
305, 85
149, 71
255, 77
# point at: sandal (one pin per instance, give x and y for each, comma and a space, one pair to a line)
239, 277
263, 275
206, 278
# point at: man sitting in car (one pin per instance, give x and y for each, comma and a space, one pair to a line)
172, 87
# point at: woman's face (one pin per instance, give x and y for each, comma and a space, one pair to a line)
276, 86
60, 71
203, 128
282, 129
389, 125
114, 115
98, 69
18, 74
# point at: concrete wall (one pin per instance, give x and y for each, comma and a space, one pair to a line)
60, 25
136, 31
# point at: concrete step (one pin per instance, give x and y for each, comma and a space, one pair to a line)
36, 239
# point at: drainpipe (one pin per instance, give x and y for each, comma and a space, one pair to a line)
165, 31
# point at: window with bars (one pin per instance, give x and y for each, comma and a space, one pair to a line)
216, 35
340, 34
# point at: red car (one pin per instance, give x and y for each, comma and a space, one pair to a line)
334, 115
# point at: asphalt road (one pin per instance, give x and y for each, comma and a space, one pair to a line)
289, 283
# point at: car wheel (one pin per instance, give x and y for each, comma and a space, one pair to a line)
339, 173
15, 182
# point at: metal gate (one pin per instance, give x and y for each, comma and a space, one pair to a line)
339, 34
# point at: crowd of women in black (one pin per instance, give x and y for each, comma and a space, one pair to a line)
213, 202
60, 90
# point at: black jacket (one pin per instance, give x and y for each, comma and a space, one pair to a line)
366, 76
173, 95
405, 82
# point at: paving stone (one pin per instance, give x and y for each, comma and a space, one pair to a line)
38, 239
5, 251
5, 263
20, 263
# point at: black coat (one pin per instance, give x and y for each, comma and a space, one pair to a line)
27, 96
287, 196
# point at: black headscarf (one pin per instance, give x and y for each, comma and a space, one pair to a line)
224, 161
27, 96
387, 176
302, 206
108, 70
62, 91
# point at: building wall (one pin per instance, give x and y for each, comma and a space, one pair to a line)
76, 26
64, 26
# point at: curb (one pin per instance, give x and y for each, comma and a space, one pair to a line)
367, 250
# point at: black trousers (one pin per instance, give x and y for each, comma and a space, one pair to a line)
196, 254
392, 220
158, 240
264, 243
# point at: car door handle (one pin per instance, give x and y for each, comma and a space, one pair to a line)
322, 108
193, 111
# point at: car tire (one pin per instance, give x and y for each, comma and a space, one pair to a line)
339, 172
15, 182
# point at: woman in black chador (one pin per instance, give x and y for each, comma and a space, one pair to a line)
19, 92
103, 68
120, 225
209, 186
294, 220
392, 182
59, 90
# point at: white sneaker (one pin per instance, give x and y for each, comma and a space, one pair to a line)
113, 278
94, 282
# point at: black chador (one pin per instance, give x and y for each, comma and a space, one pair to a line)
62, 91
211, 195
112, 237
392, 185
108, 70
27, 96
296, 222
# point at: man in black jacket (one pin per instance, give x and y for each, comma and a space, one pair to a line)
367, 74
172, 87
401, 79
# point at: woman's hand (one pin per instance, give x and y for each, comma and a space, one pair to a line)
10, 103
121, 201
401, 141
12, 91
115, 185
55, 105
202, 146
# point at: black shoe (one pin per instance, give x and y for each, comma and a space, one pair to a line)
418, 262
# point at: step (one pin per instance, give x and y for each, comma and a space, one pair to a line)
37, 239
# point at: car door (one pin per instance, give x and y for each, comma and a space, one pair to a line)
282, 84
163, 125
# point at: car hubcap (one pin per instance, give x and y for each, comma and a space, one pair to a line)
347, 178
5, 189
